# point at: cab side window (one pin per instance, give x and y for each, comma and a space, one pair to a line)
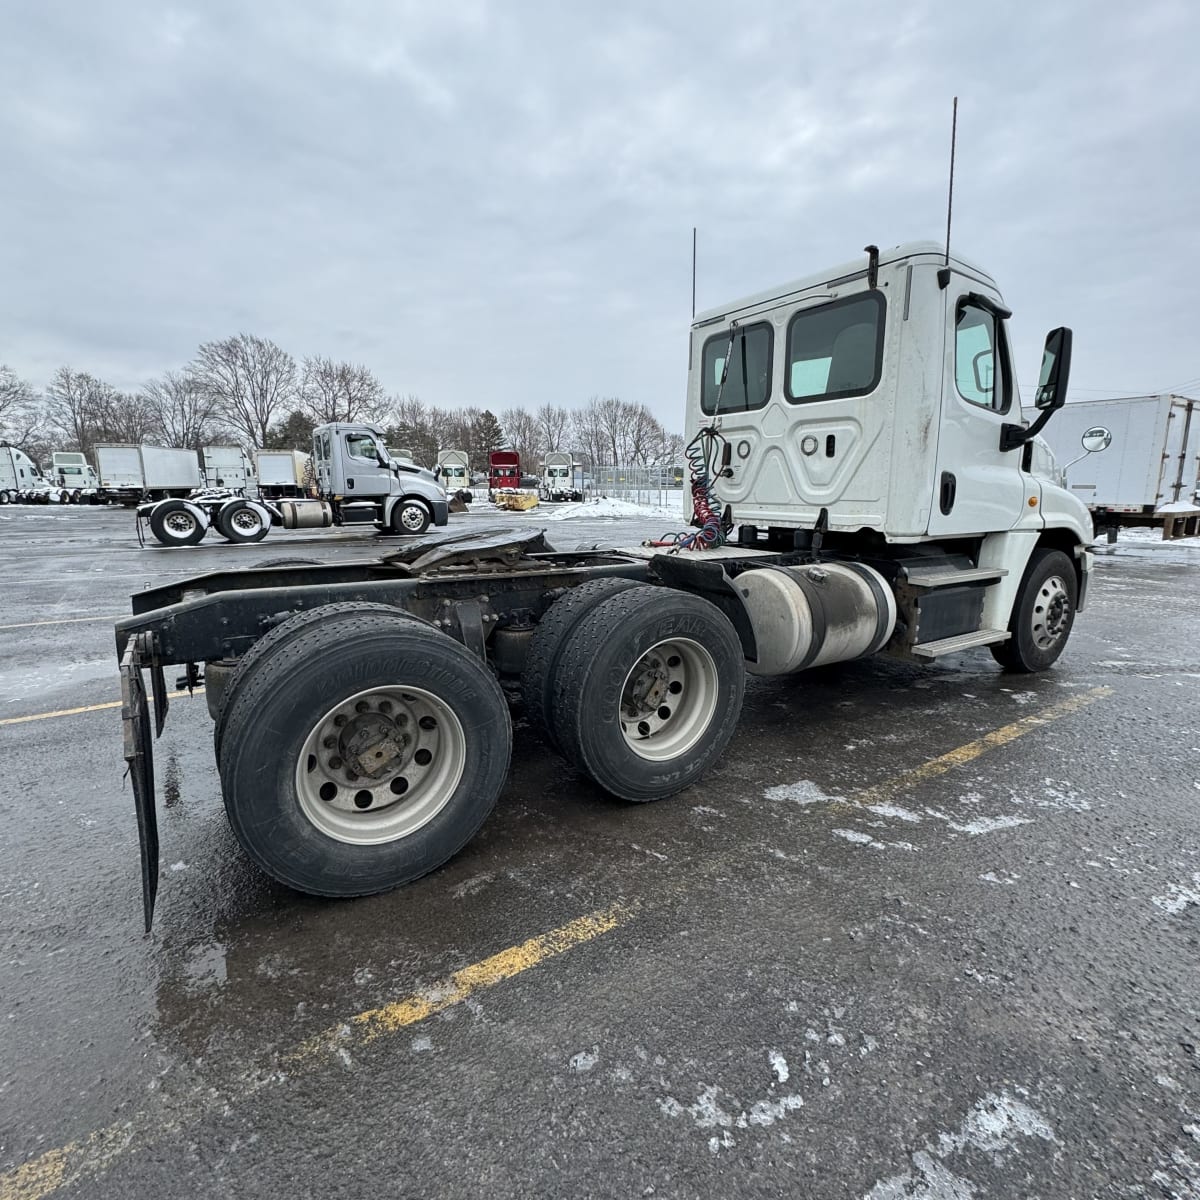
361, 445
979, 357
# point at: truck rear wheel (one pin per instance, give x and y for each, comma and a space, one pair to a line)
546, 647
649, 690
410, 517
174, 524
242, 523
287, 631
1043, 615
362, 755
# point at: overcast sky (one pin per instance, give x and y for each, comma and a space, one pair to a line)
492, 204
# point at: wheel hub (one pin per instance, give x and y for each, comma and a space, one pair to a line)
380, 764
180, 522
668, 699
245, 520
1051, 613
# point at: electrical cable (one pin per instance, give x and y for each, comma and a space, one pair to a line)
704, 453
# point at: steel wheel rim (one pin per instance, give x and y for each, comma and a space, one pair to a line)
245, 520
179, 524
668, 699
412, 517
1051, 613
402, 747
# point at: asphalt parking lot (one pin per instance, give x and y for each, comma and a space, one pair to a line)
926, 932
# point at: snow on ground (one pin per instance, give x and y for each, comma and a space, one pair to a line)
607, 507
1141, 533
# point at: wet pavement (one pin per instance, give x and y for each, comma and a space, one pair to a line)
925, 932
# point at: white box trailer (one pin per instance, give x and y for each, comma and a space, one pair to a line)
283, 474
129, 474
1152, 464
226, 467
169, 471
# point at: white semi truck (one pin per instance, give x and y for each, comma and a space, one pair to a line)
558, 478
71, 471
21, 480
284, 474
1151, 472
862, 483
356, 483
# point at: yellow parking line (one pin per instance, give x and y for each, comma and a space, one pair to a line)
972, 750
58, 621
86, 708
92, 1155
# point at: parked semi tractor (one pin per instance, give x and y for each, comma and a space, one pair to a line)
504, 470
1150, 474
862, 483
71, 471
558, 478
357, 483
21, 480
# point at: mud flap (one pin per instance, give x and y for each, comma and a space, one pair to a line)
139, 755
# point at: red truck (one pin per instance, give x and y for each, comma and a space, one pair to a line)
504, 470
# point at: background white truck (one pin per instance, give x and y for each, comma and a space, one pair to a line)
1151, 472
130, 474
283, 474
862, 482
356, 483
227, 467
21, 480
71, 471
558, 478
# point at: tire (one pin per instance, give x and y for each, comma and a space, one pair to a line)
641, 745
284, 632
5, 498
1043, 615
241, 523
174, 524
300, 799
410, 517
546, 646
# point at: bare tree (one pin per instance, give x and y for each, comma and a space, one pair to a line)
71, 403
182, 408
16, 399
340, 391
250, 379
524, 436
553, 423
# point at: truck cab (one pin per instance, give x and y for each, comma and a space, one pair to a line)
875, 407
361, 481
557, 481
504, 470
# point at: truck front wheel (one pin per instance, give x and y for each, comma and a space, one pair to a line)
363, 755
174, 524
411, 517
648, 692
1043, 615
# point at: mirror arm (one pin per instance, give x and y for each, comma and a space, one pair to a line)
1013, 436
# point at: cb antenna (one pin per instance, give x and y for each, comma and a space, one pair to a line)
693, 272
944, 273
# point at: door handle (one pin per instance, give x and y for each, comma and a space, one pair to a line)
349, 483
946, 497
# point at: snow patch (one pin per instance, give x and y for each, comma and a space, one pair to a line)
778, 1065
894, 810
1179, 896
803, 791
608, 507
987, 824
584, 1061
992, 1126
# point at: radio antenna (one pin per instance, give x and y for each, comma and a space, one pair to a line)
944, 273
693, 272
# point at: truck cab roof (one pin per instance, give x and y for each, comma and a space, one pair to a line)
844, 273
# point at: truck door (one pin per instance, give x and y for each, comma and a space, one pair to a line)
977, 487
365, 478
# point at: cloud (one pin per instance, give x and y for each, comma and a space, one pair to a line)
493, 204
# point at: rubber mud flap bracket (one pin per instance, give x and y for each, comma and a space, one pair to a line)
139, 755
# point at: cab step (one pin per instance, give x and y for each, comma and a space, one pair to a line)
961, 641
942, 577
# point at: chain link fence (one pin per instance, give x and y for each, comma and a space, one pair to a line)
653, 486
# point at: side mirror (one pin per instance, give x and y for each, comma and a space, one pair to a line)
1056, 370
1051, 390
1096, 439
